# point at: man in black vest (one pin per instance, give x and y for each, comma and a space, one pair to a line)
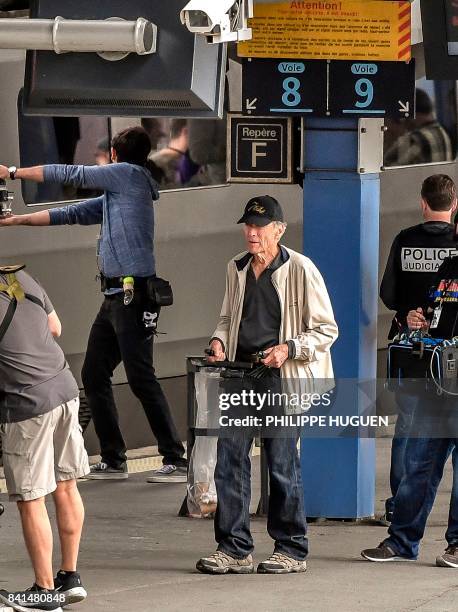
416, 254
433, 434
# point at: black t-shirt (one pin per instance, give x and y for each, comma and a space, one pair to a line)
415, 257
261, 315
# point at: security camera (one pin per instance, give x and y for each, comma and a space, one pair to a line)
219, 20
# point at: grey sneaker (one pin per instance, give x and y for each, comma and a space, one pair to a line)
278, 563
103, 471
221, 563
169, 473
449, 558
382, 554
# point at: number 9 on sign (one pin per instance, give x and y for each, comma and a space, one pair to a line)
364, 89
291, 96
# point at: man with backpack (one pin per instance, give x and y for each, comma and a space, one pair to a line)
43, 447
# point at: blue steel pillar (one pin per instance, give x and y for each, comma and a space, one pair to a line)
341, 236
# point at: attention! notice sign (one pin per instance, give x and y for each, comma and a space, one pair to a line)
346, 29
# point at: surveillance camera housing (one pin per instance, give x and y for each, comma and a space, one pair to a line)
222, 21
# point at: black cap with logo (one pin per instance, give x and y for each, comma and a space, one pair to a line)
261, 211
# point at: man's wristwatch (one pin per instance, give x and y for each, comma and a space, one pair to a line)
12, 170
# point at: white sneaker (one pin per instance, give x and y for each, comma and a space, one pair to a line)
169, 473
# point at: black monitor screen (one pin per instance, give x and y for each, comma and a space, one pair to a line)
451, 7
440, 38
185, 77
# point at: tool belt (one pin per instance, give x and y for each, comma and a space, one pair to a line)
158, 290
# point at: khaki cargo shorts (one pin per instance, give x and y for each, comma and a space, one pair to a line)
44, 450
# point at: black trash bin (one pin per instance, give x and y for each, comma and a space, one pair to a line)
193, 366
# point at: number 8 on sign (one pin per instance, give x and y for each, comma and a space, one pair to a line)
291, 97
365, 89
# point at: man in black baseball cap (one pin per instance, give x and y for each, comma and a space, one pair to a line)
276, 311
261, 211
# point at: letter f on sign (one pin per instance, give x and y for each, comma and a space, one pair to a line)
255, 152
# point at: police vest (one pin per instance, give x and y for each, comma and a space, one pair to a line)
416, 256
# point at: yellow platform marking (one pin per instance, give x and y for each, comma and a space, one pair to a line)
136, 466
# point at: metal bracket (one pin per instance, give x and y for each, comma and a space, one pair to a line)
370, 146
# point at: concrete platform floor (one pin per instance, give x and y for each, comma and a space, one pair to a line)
138, 556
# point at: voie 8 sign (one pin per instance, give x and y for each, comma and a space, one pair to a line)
284, 87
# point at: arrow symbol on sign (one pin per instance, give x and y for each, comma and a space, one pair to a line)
251, 104
404, 107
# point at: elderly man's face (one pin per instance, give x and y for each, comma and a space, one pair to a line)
262, 239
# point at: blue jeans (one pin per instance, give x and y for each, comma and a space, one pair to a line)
406, 405
286, 523
424, 462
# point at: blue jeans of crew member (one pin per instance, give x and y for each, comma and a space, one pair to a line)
425, 458
286, 523
405, 404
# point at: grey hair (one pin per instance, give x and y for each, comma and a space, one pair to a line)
281, 224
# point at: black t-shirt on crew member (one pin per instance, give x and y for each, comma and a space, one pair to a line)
415, 257
261, 315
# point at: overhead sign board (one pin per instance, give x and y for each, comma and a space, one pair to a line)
259, 149
345, 29
283, 86
327, 88
373, 89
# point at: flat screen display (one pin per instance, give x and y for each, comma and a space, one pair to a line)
451, 11
185, 77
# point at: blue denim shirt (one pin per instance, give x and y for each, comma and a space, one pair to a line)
125, 211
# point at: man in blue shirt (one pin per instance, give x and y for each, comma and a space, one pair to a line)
120, 332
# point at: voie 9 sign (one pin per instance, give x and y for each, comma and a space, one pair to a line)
372, 89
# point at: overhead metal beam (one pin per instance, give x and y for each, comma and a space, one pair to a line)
61, 35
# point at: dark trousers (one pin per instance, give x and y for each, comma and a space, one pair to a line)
424, 462
286, 523
118, 334
426, 453
405, 404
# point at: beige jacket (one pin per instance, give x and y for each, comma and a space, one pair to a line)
307, 317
